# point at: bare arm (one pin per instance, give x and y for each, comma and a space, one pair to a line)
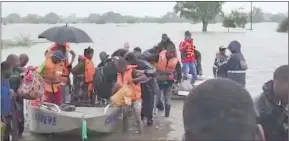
138, 76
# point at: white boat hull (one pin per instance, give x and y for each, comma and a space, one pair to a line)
47, 118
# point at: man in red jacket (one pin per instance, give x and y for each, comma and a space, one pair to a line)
187, 50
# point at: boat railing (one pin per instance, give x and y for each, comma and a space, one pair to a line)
106, 108
48, 105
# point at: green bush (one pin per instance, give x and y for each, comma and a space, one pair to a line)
235, 19
283, 26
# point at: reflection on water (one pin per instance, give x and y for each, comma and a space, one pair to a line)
263, 48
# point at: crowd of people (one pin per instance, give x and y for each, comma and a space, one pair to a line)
217, 109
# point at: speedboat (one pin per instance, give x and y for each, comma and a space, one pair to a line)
48, 118
179, 94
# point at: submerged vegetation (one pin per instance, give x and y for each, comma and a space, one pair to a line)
19, 41
283, 26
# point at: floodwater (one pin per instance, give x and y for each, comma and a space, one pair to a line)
263, 48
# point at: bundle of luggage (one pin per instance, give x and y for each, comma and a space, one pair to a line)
122, 96
32, 85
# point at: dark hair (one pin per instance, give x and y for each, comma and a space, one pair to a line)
5, 66
219, 109
137, 49
120, 52
130, 57
281, 73
121, 63
188, 33
11, 56
88, 50
164, 35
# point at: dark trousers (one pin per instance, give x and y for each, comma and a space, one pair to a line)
147, 101
11, 128
20, 114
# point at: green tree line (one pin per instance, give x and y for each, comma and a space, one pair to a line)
170, 17
108, 17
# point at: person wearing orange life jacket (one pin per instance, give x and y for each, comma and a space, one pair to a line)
51, 73
187, 50
84, 73
65, 81
147, 88
168, 71
127, 74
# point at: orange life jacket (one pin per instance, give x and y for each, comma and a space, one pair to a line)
190, 50
66, 71
89, 72
123, 79
166, 65
53, 71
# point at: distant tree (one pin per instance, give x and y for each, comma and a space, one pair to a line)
199, 11
32, 18
13, 18
93, 18
131, 20
278, 17
100, 21
229, 22
112, 17
235, 19
283, 26
109, 17
257, 15
51, 18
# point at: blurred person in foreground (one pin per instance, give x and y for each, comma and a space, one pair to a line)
7, 105
272, 106
15, 81
220, 109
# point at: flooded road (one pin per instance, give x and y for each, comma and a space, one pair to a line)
263, 48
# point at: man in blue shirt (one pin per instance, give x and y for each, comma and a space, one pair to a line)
7, 107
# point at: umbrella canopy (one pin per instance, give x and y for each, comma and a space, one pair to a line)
61, 34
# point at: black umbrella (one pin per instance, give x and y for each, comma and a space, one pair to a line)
61, 34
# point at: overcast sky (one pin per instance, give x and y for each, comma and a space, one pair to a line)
125, 8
